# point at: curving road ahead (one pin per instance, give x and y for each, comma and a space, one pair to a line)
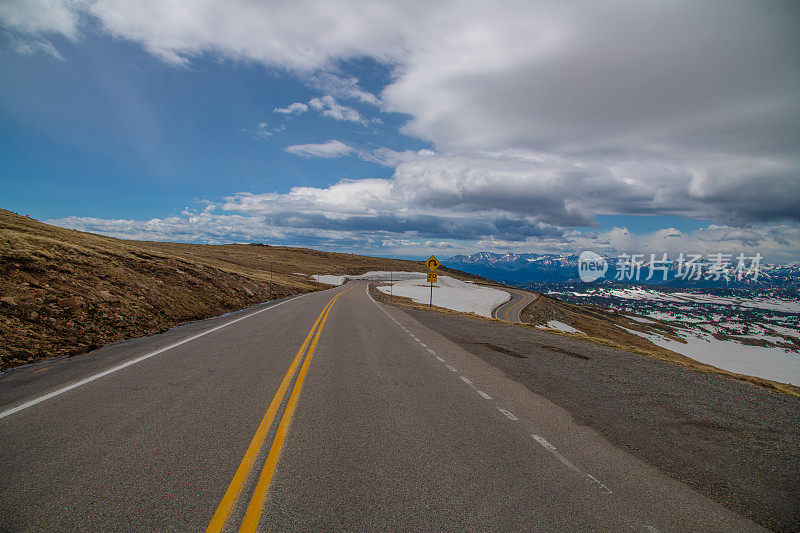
323, 412
511, 311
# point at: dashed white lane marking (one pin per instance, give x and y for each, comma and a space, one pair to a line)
508, 414
441, 360
139, 359
451, 368
552, 449
473, 387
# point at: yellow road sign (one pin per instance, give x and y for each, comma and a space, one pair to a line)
433, 263
432, 277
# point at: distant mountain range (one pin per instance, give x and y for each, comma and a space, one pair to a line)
530, 267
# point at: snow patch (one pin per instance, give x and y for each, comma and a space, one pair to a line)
555, 324
776, 364
329, 279
449, 293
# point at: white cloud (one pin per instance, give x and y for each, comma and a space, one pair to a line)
542, 115
710, 117
38, 17
329, 107
328, 150
778, 243
292, 109
262, 131
343, 87
38, 46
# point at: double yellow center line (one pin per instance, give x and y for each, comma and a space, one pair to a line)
253, 512
513, 306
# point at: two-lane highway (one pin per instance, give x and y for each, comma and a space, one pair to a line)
511, 311
329, 412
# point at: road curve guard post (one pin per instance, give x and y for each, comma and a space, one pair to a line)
432, 263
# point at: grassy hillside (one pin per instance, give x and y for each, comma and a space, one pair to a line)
65, 292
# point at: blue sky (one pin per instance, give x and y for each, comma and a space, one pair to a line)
110, 131
414, 129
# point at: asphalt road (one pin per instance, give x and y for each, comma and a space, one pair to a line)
321, 413
511, 311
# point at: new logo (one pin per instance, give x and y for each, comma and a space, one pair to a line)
591, 266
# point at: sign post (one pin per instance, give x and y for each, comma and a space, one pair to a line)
432, 263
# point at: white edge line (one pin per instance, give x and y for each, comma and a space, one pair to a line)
552, 449
465, 380
366, 291
482, 394
113, 369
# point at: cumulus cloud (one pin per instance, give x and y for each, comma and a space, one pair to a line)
699, 98
292, 109
778, 243
542, 114
327, 150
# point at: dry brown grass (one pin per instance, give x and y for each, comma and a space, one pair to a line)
65, 292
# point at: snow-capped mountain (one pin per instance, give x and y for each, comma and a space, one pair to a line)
527, 267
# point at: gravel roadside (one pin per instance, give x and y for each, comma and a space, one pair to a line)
732, 441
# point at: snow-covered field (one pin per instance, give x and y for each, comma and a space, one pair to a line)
329, 279
769, 363
639, 293
450, 293
717, 328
